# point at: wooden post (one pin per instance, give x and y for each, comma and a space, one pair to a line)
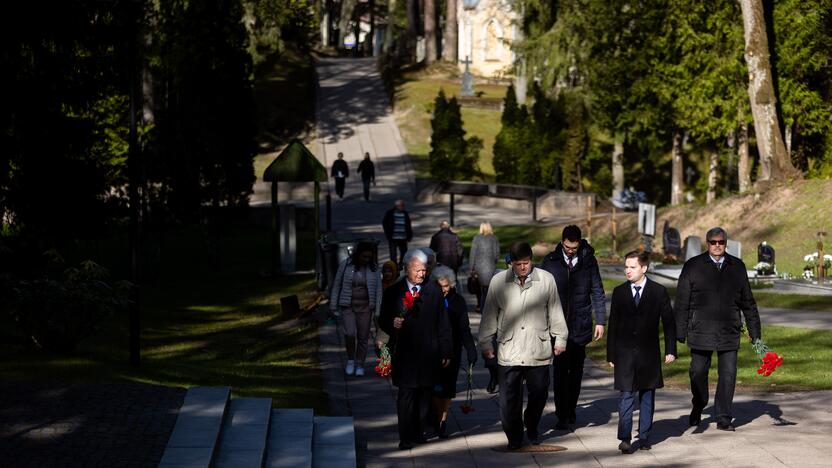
452, 208
821, 265
317, 210
614, 233
275, 231
534, 206
589, 219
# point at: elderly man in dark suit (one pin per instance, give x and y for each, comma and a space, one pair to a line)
713, 289
413, 314
633, 346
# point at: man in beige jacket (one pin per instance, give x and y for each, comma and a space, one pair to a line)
523, 311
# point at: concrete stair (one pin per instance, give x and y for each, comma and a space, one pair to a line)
213, 430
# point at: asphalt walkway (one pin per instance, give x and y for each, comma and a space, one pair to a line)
773, 429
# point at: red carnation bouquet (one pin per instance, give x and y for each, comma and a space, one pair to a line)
385, 361
468, 406
769, 360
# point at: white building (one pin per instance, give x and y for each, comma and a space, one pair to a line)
487, 28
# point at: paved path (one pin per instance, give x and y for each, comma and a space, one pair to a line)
60, 425
773, 429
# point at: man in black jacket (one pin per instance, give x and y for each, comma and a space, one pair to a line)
713, 289
413, 313
448, 247
638, 306
368, 174
340, 171
576, 273
398, 231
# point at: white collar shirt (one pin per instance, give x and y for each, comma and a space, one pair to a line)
640, 286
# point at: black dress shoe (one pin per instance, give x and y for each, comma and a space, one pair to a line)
572, 419
695, 417
492, 386
420, 440
405, 445
533, 436
625, 447
562, 426
442, 431
644, 445
725, 426
514, 446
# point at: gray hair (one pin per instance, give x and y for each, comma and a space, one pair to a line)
443, 272
415, 254
717, 231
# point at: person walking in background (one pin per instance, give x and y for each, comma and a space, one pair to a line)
368, 174
523, 312
713, 289
485, 249
633, 351
356, 291
576, 273
398, 231
445, 390
413, 314
448, 247
340, 171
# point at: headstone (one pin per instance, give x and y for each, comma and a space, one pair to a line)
765, 253
734, 248
467, 80
420, 49
693, 247
672, 241
647, 219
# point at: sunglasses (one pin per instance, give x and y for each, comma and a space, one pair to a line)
716, 242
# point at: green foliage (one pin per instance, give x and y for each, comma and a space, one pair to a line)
272, 23
452, 157
57, 313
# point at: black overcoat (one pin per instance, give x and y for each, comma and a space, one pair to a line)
633, 336
424, 339
709, 301
581, 291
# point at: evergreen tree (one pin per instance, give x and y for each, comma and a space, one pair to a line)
452, 157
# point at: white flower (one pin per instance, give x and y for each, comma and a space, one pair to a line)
827, 257
808, 258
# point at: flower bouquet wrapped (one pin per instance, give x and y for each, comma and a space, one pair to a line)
468, 406
769, 360
384, 366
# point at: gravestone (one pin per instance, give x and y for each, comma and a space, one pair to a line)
765, 253
467, 80
734, 248
288, 238
672, 241
693, 247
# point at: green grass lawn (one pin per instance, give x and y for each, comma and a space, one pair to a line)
202, 324
805, 366
415, 94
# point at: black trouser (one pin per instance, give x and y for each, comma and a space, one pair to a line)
412, 407
568, 374
511, 399
700, 364
339, 186
401, 245
366, 183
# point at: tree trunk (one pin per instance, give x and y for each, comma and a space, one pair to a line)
713, 167
775, 163
371, 43
430, 32
450, 52
677, 182
390, 28
618, 167
744, 164
412, 27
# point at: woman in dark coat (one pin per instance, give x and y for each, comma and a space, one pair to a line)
445, 390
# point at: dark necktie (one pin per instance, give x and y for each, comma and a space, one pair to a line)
415, 290
637, 297
569, 263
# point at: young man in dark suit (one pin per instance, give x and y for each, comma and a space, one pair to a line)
633, 346
420, 342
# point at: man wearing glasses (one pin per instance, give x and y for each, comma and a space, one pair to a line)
713, 289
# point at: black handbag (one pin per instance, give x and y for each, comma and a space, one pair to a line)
473, 285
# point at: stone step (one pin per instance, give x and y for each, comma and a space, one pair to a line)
333, 442
197, 428
244, 433
290, 438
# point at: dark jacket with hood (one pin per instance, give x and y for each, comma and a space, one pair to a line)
581, 291
448, 248
710, 301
